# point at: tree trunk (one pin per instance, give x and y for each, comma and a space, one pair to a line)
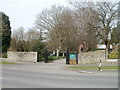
106, 52
58, 51
107, 49
53, 52
63, 54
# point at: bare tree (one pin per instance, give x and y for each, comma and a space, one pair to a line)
48, 17
50, 20
65, 31
17, 41
24, 41
107, 21
68, 28
32, 34
19, 34
84, 16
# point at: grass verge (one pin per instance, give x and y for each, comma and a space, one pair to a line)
93, 67
7, 63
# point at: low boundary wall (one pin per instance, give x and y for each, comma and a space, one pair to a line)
22, 56
93, 57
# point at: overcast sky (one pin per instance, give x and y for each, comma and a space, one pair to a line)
23, 12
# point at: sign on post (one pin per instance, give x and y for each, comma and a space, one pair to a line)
72, 58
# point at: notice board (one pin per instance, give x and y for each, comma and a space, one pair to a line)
72, 58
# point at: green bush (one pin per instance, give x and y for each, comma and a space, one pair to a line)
50, 58
4, 55
41, 58
54, 57
113, 55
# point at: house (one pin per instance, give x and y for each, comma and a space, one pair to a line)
102, 46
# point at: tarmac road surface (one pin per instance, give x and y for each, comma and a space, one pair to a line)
53, 75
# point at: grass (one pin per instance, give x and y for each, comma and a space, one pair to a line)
114, 55
7, 63
93, 67
54, 57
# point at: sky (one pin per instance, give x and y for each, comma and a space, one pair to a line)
23, 12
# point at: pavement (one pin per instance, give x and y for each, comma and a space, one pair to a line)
61, 65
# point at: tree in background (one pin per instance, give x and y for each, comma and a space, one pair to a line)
18, 38
0, 34
83, 14
23, 41
27, 41
107, 21
63, 33
5, 32
61, 27
115, 36
66, 28
32, 34
31, 37
48, 20
39, 47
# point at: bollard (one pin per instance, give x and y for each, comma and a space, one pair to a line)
100, 66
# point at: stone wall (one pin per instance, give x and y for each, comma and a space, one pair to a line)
22, 56
92, 57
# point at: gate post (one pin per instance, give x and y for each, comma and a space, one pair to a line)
46, 56
77, 56
67, 56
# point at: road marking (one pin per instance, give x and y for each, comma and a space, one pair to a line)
114, 60
89, 72
2, 78
84, 72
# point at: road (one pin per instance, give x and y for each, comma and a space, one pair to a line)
54, 75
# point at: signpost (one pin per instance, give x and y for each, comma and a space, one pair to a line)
71, 58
